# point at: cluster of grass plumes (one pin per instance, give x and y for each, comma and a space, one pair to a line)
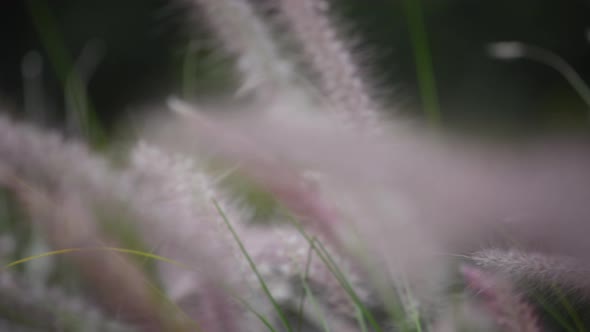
376, 219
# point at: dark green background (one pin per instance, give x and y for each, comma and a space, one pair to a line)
145, 42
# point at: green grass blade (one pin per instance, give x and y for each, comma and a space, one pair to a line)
74, 88
157, 291
254, 268
309, 293
422, 54
548, 308
71, 250
366, 314
257, 314
570, 311
324, 255
360, 319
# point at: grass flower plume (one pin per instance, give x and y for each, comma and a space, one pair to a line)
375, 221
